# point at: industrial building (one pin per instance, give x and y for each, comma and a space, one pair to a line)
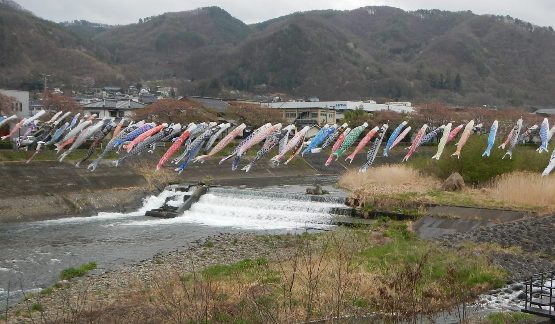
323, 112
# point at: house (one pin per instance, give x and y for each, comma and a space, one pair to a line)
112, 108
21, 102
147, 98
112, 90
212, 103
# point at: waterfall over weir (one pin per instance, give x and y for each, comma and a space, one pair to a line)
113, 239
255, 210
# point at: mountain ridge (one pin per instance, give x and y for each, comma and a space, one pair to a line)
370, 52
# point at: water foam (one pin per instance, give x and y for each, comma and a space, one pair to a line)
252, 213
151, 202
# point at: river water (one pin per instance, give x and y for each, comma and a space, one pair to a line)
33, 254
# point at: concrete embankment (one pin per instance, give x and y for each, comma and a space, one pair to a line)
44, 190
49, 189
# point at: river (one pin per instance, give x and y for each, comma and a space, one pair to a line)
33, 254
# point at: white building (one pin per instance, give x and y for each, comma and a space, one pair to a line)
113, 108
340, 106
21, 103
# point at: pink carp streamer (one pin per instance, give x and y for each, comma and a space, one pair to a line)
363, 143
509, 137
464, 138
15, 129
454, 133
174, 148
222, 144
144, 136
415, 142
292, 144
400, 137
118, 128
337, 145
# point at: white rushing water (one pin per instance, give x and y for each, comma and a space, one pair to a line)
149, 203
251, 213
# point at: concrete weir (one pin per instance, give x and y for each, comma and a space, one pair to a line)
183, 197
191, 195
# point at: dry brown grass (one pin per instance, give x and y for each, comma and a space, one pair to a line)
525, 189
345, 274
388, 186
388, 179
400, 186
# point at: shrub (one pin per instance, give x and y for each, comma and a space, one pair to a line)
476, 169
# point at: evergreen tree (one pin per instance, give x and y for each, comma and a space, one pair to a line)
457, 86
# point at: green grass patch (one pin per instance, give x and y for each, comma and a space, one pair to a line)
47, 291
37, 307
452, 198
405, 248
476, 169
246, 266
506, 318
79, 271
209, 244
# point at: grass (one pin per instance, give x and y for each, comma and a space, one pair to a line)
209, 244
243, 267
79, 271
476, 169
508, 318
405, 248
47, 291
37, 307
525, 188
400, 188
384, 268
387, 175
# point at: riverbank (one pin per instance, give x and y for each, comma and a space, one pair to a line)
523, 248
360, 273
48, 189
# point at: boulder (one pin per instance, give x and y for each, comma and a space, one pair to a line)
455, 182
316, 190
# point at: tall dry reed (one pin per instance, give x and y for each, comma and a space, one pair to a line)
387, 179
524, 188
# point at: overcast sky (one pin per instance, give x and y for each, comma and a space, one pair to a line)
539, 12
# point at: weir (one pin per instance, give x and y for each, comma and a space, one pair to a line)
184, 196
277, 194
179, 203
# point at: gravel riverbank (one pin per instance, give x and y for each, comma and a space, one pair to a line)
104, 287
526, 246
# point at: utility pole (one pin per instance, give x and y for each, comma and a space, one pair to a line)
45, 76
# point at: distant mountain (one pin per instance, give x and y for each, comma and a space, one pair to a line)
390, 53
163, 46
371, 52
30, 46
86, 29
12, 5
